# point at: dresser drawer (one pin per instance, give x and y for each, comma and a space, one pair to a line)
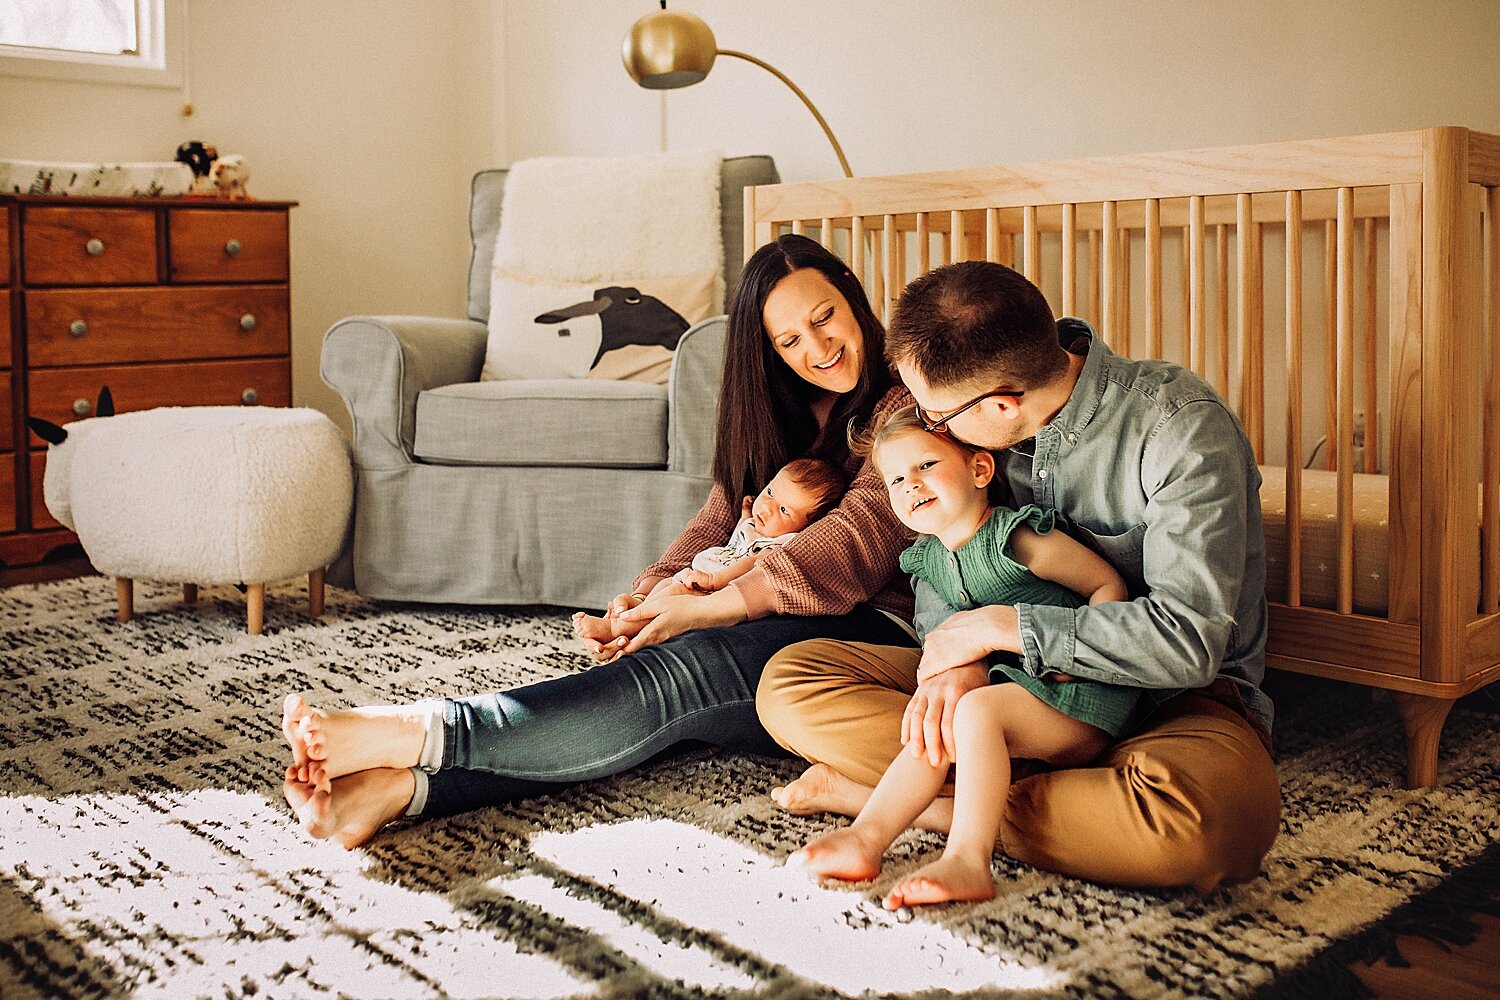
67, 326
40, 518
89, 246
227, 245
55, 391
4, 328
7, 493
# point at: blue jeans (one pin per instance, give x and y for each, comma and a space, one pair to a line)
699, 686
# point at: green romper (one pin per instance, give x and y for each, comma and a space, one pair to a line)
983, 572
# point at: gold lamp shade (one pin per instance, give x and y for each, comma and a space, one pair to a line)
668, 49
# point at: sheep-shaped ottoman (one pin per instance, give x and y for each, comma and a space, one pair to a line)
203, 495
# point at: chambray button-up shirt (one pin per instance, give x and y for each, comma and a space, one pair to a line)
1153, 471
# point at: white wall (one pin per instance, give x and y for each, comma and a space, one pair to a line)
945, 84
370, 113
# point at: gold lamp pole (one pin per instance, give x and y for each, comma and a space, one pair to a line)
669, 49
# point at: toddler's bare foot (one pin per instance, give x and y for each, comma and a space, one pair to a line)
587, 626
822, 789
843, 854
948, 879
353, 808
356, 739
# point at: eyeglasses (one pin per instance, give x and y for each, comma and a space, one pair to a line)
934, 423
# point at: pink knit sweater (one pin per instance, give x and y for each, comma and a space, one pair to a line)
847, 556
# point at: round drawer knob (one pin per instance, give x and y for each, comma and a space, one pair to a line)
233, 247
81, 407
95, 247
248, 322
78, 328
249, 397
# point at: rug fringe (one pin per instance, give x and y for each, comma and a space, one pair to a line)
1443, 914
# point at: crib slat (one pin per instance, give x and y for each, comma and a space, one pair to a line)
1153, 277
1331, 332
1096, 313
888, 260
1258, 340
924, 245
1070, 260
1123, 310
1197, 335
1031, 249
1404, 460
956, 250
1293, 397
1372, 412
1345, 386
1242, 313
857, 249
1183, 248
1490, 535
992, 235
1220, 378
825, 233
797, 228
1109, 266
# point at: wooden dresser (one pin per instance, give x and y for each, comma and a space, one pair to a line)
169, 303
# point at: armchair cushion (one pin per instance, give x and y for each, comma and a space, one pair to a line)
534, 422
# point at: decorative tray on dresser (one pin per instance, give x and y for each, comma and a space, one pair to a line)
168, 302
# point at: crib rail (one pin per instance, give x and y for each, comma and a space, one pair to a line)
1340, 293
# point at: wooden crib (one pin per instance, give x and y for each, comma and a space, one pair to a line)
1343, 295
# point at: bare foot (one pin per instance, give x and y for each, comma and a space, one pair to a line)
822, 789
353, 808
355, 739
843, 854
587, 626
948, 879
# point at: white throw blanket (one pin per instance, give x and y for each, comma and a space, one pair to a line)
572, 226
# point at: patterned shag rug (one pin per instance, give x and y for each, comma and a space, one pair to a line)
145, 849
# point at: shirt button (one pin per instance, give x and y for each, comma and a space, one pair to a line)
1072, 439
962, 596
1041, 474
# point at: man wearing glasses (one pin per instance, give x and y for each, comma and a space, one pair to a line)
1149, 467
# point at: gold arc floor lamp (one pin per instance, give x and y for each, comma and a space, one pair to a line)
668, 49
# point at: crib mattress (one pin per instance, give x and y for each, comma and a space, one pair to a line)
1320, 543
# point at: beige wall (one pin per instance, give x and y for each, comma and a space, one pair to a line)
953, 83
374, 113
364, 111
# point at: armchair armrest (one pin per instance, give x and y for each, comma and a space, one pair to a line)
693, 398
379, 364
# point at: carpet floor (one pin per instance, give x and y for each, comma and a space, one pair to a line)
145, 849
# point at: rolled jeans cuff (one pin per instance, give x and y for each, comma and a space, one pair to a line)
419, 792
431, 758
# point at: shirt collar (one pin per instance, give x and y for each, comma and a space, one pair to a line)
1088, 391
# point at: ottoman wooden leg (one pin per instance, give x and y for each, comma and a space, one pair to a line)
189, 593
255, 608
125, 595
315, 592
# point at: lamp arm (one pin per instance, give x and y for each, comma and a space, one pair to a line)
839, 150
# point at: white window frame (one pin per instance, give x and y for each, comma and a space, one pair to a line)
161, 28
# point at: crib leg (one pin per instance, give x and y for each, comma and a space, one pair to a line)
125, 597
1422, 718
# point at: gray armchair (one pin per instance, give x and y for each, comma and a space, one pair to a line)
519, 492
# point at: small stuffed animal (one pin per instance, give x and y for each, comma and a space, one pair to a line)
231, 174
199, 157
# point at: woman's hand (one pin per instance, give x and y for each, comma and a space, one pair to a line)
671, 616
927, 726
969, 636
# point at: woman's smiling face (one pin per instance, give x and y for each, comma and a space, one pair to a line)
813, 330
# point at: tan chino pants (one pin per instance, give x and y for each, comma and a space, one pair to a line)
1191, 799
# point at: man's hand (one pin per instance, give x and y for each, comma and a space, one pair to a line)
927, 726
968, 637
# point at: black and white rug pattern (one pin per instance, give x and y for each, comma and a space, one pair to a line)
145, 849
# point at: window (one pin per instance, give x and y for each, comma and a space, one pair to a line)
107, 41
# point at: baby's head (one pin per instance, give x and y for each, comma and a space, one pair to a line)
938, 485
804, 490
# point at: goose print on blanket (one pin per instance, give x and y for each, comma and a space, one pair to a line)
601, 331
